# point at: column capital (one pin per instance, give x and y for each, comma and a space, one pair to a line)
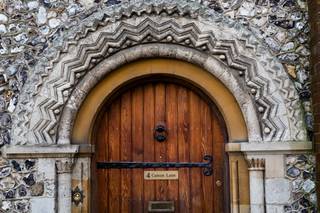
256, 163
64, 165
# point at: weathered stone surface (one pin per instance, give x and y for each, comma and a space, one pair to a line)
6, 206
3, 29
33, 5
3, 18
7, 183
301, 171
5, 171
37, 189
42, 16
54, 22
40, 205
278, 191
29, 180
9, 194
293, 172
22, 191
29, 45
29, 164
22, 206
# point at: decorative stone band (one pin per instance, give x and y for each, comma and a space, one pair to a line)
256, 164
64, 166
260, 73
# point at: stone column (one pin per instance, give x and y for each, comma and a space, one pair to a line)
64, 169
314, 14
256, 177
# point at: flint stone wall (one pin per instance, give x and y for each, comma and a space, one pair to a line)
32, 32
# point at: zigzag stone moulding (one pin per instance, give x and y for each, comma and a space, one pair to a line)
129, 54
106, 33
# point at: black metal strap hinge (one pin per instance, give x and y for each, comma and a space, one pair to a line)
207, 166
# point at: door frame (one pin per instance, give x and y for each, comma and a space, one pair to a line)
170, 79
193, 76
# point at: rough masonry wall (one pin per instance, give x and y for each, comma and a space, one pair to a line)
32, 32
301, 172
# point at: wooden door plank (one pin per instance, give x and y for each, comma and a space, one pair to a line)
148, 140
218, 152
183, 149
172, 145
114, 155
207, 146
102, 155
195, 153
160, 148
137, 149
125, 131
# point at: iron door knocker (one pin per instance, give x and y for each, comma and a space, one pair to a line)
160, 133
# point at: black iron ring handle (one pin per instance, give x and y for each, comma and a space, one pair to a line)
160, 133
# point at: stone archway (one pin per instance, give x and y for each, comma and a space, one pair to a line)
259, 74
93, 103
172, 30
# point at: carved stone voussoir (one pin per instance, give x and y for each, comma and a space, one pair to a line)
256, 163
64, 166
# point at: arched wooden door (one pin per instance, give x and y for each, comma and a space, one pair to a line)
126, 136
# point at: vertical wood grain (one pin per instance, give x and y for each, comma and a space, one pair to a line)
195, 153
160, 148
218, 152
148, 141
114, 155
206, 149
183, 142
102, 155
172, 145
125, 150
137, 149
126, 134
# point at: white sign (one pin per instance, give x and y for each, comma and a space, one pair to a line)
161, 175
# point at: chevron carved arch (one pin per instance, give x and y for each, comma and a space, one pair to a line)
256, 73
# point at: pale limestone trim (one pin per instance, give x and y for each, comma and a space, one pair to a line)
64, 169
36, 151
267, 147
256, 168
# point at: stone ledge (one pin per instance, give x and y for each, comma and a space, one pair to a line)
37, 151
274, 147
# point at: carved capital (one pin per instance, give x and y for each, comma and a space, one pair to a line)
256, 163
64, 166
